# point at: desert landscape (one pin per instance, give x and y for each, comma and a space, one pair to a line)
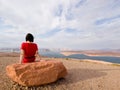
82, 75
115, 53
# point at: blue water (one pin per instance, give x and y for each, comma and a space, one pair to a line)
101, 58
81, 56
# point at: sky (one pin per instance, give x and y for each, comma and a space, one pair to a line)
66, 24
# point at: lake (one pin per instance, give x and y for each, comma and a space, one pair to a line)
81, 56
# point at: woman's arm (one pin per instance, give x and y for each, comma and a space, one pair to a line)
21, 55
38, 55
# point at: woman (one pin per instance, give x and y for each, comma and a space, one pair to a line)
29, 50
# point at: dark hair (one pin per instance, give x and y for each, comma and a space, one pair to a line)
29, 37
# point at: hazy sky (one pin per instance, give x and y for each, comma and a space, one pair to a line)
75, 24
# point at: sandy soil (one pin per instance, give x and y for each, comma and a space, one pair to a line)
82, 75
93, 53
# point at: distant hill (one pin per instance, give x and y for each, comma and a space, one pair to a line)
94, 52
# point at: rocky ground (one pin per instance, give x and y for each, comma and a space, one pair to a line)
82, 75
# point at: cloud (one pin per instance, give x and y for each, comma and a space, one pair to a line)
77, 24
107, 20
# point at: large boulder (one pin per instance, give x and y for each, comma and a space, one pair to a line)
37, 73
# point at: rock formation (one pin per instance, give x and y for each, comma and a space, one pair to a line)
37, 73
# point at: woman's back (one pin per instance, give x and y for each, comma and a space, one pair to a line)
29, 49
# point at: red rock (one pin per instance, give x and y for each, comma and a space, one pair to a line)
37, 73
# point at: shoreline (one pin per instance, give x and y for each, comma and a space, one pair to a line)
14, 54
93, 61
